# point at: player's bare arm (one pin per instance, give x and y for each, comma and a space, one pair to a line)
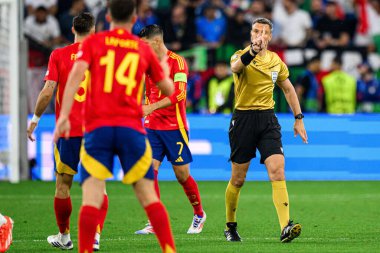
292, 99
166, 86
149, 108
178, 95
43, 101
72, 85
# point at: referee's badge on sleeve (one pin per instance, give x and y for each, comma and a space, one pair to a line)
274, 76
234, 57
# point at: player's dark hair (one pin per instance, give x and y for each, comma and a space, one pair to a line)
151, 30
41, 8
313, 59
122, 10
83, 23
264, 21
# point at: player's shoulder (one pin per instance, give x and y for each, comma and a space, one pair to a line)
174, 55
238, 53
177, 60
274, 57
57, 51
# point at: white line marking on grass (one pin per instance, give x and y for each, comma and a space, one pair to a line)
139, 237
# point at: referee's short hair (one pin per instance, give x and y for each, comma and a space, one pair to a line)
264, 21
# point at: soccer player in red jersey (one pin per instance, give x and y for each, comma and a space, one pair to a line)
117, 61
167, 126
66, 152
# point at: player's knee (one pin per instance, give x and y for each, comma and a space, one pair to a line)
182, 177
237, 182
277, 174
182, 173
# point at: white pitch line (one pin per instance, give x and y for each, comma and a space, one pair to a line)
204, 239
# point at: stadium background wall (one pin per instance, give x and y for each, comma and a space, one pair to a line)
340, 148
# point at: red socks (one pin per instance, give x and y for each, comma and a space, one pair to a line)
62, 209
191, 189
103, 212
156, 187
159, 219
88, 221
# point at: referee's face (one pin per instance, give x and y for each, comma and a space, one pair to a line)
261, 31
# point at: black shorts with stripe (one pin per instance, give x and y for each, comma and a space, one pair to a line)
254, 129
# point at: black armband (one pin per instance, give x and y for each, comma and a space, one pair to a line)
246, 58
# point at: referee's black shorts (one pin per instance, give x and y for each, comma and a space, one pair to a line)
253, 129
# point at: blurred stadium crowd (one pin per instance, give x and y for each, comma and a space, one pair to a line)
332, 48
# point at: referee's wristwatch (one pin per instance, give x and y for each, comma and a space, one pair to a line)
299, 116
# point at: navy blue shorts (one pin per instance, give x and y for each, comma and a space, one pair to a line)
66, 155
174, 144
102, 144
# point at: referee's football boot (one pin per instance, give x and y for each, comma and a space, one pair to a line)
290, 232
231, 232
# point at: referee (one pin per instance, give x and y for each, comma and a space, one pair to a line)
255, 126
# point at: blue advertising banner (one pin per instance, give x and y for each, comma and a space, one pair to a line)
340, 148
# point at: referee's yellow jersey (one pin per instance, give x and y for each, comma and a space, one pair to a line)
255, 83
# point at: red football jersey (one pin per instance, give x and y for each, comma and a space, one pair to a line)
117, 62
60, 63
174, 116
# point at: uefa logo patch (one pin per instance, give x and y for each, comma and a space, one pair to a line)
274, 75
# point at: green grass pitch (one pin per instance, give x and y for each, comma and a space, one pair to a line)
336, 217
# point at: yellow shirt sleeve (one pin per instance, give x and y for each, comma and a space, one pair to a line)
236, 56
284, 72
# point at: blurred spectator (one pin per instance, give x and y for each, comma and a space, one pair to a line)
295, 24
66, 19
222, 7
368, 90
256, 10
102, 23
340, 90
50, 5
316, 11
43, 28
220, 90
374, 21
179, 30
210, 28
369, 29
145, 16
238, 32
307, 86
242, 4
194, 91
95, 6
331, 31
